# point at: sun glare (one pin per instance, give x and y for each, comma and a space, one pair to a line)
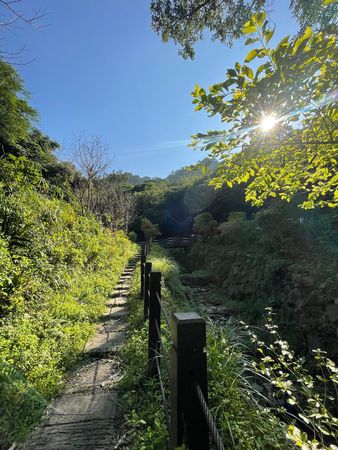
268, 122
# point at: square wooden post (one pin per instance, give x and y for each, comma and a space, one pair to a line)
154, 319
188, 366
147, 270
143, 261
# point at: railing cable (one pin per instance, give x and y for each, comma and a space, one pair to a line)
209, 419
164, 351
165, 405
165, 315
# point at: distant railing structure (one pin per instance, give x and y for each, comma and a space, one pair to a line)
175, 241
188, 417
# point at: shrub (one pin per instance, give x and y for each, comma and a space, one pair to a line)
204, 225
306, 400
236, 216
57, 268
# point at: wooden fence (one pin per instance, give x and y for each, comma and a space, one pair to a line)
188, 418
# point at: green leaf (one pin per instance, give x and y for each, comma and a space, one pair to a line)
259, 18
251, 55
248, 72
268, 35
231, 73
249, 28
282, 43
328, 2
302, 39
261, 68
251, 41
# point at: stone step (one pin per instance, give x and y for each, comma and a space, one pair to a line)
82, 420
116, 304
95, 374
105, 343
117, 312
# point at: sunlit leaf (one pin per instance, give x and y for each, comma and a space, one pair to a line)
249, 28
268, 35
302, 39
251, 55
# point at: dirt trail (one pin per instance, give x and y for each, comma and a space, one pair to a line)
86, 415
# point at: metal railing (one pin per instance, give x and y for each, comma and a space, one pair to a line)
188, 418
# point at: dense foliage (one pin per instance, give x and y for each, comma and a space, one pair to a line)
172, 203
185, 22
254, 394
282, 258
16, 115
293, 92
57, 268
305, 399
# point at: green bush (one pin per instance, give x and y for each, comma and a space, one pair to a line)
242, 421
57, 268
305, 399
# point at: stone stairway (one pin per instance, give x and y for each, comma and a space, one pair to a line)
86, 413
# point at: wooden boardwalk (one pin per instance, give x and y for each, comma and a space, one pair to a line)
86, 414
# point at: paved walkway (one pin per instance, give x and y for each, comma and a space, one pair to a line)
85, 415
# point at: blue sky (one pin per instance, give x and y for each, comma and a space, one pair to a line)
99, 67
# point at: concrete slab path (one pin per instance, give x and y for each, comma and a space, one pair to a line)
85, 415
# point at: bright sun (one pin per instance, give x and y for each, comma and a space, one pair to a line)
268, 122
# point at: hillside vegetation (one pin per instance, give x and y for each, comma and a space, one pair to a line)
58, 265
57, 269
282, 259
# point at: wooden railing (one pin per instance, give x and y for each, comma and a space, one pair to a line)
188, 418
175, 241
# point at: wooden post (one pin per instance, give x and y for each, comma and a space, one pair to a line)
143, 261
154, 318
188, 366
147, 270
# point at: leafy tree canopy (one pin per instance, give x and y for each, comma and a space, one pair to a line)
149, 229
204, 225
315, 13
184, 21
294, 92
16, 115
